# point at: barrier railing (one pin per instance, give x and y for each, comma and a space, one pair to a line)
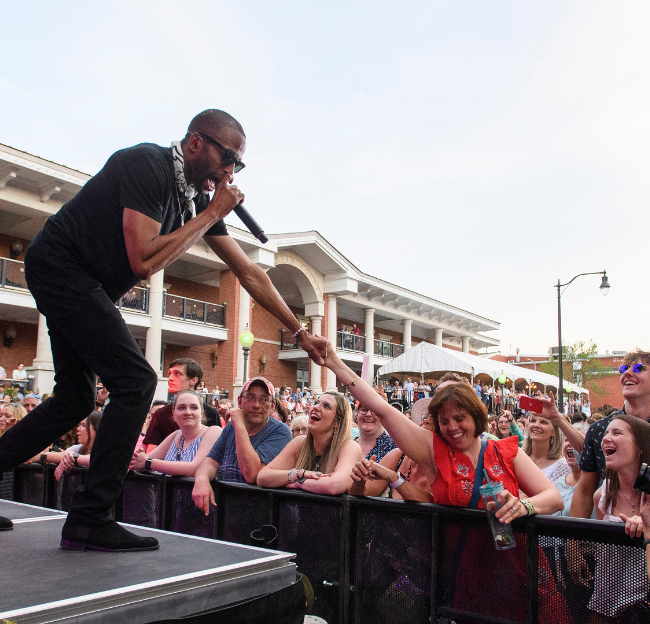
378, 560
387, 349
350, 342
287, 341
12, 274
194, 310
136, 300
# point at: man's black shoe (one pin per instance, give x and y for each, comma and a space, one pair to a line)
109, 537
6, 524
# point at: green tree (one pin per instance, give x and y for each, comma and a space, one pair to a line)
579, 366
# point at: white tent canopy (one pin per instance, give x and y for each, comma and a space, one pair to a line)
428, 358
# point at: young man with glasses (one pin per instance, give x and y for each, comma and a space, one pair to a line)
249, 441
145, 208
635, 385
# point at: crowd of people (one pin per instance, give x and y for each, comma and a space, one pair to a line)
357, 442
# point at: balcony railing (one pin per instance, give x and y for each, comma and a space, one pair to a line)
13, 274
287, 341
387, 349
194, 310
136, 300
350, 342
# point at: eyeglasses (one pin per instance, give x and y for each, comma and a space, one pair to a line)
228, 157
637, 368
299, 430
262, 400
362, 410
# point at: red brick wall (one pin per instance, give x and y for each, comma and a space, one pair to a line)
192, 290
265, 325
613, 395
23, 348
5, 246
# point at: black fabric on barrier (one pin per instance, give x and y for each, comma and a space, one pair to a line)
393, 567
186, 518
7, 485
142, 503
286, 606
312, 529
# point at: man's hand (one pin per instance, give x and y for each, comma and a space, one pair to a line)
225, 198
102, 395
203, 495
315, 346
236, 417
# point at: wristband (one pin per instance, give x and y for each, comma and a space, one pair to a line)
646, 542
399, 481
303, 478
147, 463
75, 456
43, 458
98, 404
528, 505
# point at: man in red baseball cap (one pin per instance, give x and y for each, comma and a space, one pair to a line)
249, 441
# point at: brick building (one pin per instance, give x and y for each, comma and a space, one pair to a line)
197, 308
605, 390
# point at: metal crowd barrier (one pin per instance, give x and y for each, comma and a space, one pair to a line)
375, 560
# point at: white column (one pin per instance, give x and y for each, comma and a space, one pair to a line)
314, 370
465, 342
244, 316
406, 333
438, 337
42, 368
370, 344
332, 325
153, 347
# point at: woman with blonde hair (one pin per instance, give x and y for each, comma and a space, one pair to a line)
322, 460
10, 415
543, 445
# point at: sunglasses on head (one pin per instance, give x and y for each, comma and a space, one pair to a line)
637, 368
228, 157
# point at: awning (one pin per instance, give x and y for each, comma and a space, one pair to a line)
426, 358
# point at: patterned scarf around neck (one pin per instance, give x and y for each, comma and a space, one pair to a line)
185, 190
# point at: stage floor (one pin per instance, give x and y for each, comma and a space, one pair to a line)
187, 575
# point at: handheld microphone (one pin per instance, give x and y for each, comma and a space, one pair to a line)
250, 223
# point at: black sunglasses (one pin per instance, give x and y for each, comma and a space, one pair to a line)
228, 157
637, 368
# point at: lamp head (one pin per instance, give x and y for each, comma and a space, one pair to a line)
246, 338
604, 285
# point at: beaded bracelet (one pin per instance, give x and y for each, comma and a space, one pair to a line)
291, 476
295, 334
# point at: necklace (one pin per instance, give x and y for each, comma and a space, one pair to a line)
628, 502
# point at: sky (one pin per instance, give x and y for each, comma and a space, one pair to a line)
474, 152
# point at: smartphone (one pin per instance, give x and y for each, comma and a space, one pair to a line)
533, 405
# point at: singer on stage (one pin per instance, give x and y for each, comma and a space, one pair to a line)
141, 212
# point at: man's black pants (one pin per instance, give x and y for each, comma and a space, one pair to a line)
88, 338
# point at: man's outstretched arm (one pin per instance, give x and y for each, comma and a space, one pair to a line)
260, 287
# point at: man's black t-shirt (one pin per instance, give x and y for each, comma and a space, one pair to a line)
89, 226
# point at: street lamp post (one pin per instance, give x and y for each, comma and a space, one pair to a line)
604, 290
246, 340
